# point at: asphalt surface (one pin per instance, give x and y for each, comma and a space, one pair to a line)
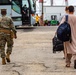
32, 54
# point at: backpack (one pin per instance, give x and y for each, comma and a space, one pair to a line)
64, 31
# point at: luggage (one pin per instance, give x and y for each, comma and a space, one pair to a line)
64, 31
57, 44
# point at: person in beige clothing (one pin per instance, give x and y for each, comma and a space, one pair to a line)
41, 22
66, 13
70, 48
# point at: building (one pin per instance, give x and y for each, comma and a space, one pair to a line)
54, 8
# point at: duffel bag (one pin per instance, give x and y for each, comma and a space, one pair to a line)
57, 44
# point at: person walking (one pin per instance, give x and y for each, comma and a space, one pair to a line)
41, 22
6, 37
66, 13
25, 13
37, 20
70, 48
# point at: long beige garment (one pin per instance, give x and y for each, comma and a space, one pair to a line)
70, 48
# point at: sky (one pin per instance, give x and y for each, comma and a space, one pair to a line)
59, 2
70, 2
56, 3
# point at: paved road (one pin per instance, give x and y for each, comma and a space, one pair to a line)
32, 55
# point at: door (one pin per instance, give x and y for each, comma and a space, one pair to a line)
25, 12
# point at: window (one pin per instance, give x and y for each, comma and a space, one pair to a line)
58, 2
25, 2
16, 6
47, 3
72, 2
32, 5
5, 2
62, 2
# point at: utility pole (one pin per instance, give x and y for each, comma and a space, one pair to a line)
41, 2
42, 7
42, 10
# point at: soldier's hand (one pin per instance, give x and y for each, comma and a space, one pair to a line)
15, 36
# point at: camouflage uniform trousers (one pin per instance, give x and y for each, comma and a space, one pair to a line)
5, 39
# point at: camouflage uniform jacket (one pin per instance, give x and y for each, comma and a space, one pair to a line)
7, 23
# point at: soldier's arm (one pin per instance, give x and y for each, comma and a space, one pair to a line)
13, 28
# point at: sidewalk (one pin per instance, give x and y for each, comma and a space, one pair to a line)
32, 55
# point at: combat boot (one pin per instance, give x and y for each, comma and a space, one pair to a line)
3, 61
8, 57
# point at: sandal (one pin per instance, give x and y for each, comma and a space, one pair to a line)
68, 65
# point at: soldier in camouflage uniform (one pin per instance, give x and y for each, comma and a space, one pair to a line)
6, 28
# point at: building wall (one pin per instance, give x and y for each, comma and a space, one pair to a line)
54, 10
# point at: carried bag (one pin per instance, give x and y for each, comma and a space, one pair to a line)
64, 31
57, 44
